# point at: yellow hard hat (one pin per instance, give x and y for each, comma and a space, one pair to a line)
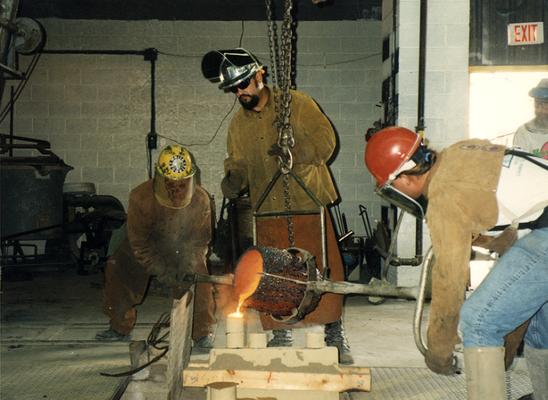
174, 163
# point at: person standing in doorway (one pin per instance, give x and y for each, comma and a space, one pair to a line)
533, 135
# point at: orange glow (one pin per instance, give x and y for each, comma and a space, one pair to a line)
236, 314
247, 275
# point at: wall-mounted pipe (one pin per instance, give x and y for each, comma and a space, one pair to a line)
417, 260
150, 54
422, 66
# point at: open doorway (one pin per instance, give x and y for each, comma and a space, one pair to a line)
499, 101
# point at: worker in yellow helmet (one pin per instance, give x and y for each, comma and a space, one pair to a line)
169, 229
173, 179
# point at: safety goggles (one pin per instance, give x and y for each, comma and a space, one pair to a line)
242, 85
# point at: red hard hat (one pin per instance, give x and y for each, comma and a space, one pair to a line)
388, 150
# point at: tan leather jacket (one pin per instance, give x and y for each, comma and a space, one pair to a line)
461, 193
251, 135
169, 242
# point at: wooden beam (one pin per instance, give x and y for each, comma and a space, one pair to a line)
353, 378
180, 343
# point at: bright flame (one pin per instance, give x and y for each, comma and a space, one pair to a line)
248, 274
236, 314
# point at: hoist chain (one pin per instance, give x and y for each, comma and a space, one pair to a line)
281, 61
273, 44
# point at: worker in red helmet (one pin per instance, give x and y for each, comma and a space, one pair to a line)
465, 190
169, 228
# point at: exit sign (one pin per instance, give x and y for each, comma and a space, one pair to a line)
525, 33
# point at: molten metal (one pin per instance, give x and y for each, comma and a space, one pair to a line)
263, 277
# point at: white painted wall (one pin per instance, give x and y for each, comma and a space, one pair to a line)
446, 86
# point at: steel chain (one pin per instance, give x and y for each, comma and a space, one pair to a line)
283, 76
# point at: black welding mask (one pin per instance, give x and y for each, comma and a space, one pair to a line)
229, 67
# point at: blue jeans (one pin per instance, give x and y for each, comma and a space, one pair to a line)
515, 290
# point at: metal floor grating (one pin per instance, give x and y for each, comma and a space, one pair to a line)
59, 372
422, 384
56, 377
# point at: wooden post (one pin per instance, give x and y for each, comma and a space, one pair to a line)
180, 343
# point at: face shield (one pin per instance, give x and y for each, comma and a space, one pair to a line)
417, 207
173, 194
229, 67
390, 152
173, 183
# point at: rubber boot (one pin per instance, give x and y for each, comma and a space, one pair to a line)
335, 336
537, 364
484, 369
282, 338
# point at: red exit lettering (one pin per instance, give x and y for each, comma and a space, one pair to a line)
525, 33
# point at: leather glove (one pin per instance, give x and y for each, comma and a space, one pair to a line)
275, 151
444, 367
501, 243
231, 185
301, 154
498, 244
168, 277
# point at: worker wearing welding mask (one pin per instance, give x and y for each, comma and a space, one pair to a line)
252, 162
469, 188
169, 228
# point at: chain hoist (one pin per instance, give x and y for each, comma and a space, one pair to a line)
281, 57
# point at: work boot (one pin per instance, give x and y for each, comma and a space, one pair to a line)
484, 369
335, 336
282, 338
110, 335
537, 364
138, 355
205, 343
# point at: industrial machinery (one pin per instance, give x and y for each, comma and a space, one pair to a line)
45, 223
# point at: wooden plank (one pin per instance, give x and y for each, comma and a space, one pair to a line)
360, 379
180, 343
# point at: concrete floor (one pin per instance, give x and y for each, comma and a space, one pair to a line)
48, 349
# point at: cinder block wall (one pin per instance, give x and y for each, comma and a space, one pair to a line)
446, 85
95, 109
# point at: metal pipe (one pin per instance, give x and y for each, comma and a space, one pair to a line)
386, 264
419, 307
98, 52
12, 122
414, 261
422, 65
324, 285
420, 113
341, 287
218, 279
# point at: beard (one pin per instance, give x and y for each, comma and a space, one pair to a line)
541, 120
249, 104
